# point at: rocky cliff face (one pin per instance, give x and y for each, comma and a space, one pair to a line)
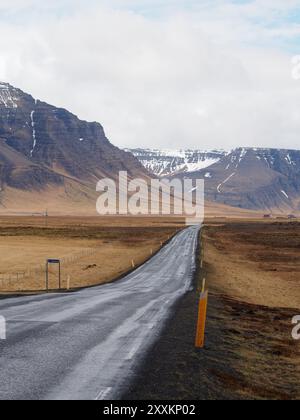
52, 143
42, 146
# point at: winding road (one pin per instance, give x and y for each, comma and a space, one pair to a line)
87, 345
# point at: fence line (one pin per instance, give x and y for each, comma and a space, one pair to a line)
9, 280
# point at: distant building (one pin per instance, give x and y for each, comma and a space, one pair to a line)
268, 216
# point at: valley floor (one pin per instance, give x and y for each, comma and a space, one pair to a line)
252, 272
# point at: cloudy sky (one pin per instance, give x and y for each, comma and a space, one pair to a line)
162, 73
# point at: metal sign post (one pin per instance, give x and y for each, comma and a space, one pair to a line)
53, 261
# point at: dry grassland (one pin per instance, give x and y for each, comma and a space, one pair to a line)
92, 250
253, 273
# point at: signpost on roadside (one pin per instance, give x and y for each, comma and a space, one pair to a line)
46, 218
68, 282
57, 262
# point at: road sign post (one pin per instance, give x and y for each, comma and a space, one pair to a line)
53, 261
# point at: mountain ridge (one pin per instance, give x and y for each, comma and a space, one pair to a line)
246, 177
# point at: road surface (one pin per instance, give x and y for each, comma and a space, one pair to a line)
87, 345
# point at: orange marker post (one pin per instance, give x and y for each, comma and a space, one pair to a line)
200, 337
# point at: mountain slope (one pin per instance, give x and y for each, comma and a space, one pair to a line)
249, 178
266, 179
43, 147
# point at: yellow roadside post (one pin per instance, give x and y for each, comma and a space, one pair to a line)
202, 312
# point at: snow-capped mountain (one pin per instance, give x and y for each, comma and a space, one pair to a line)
267, 179
251, 178
169, 162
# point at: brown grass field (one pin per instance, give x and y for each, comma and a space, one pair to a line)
92, 250
253, 274
256, 262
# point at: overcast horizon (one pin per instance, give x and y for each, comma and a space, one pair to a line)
162, 73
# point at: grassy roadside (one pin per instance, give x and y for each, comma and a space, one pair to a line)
92, 252
249, 353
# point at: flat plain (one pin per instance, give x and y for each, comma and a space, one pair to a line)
92, 250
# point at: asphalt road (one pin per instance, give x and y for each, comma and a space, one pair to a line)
87, 345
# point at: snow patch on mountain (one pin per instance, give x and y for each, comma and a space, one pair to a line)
7, 97
168, 162
33, 132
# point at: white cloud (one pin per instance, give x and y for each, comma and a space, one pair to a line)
202, 78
